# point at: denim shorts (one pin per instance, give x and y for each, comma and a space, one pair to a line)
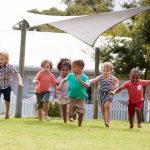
6, 93
42, 97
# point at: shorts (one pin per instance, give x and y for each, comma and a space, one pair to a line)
76, 105
132, 107
42, 97
64, 100
6, 93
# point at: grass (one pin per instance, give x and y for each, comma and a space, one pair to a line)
30, 134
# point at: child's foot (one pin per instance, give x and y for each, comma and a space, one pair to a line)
139, 125
6, 116
71, 119
47, 118
131, 127
106, 124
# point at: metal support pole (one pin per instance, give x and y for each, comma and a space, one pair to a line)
96, 73
24, 26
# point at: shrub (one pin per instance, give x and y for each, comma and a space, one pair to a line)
54, 109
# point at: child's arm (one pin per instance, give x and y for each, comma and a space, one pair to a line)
85, 84
19, 79
116, 82
61, 84
94, 80
116, 90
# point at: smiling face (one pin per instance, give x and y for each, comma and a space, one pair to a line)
3, 60
64, 71
134, 78
106, 71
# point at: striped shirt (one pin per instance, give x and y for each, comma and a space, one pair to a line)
6, 75
105, 85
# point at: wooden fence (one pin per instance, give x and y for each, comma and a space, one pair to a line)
118, 110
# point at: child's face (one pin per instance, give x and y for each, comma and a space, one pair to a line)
106, 71
2, 60
76, 69
134, 78
46, 68
64, 71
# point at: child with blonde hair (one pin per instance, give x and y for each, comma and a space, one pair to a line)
43, 80
106, 82
6, 75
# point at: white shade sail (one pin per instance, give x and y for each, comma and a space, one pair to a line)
89, 28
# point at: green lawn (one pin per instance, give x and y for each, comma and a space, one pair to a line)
30, 134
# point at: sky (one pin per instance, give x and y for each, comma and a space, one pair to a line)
11, 11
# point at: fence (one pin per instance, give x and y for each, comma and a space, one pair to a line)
118, 110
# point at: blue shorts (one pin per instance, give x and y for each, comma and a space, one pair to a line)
42, 97
6, 93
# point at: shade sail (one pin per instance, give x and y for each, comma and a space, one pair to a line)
87, 28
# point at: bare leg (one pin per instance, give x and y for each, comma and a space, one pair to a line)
40, 113
7, 105
103, 111
139, 117
108, 111
64, 112
80, 119
45, 108
131, 121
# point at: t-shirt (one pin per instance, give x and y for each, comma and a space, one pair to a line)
63, 91
46, 80
135, 91
76, 90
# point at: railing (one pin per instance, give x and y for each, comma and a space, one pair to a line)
118, 110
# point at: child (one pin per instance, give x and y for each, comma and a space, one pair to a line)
6, 74
107, 82
77, 82
64, 67
135, 92
43, 80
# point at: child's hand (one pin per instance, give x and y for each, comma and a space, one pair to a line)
58, 87
20, 83
78, 77
112, 92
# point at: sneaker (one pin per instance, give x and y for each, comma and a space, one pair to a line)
139, 125
71, 119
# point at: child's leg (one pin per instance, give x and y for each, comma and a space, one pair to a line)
131, 112
7, 105
39, 110
45, 107
64, 112
103, 111
80, 119
139, 117
108, 111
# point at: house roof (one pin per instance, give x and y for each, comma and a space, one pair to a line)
42, 45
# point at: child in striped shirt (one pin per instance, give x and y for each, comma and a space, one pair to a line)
106, 82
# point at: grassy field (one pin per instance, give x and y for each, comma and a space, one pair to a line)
30, 134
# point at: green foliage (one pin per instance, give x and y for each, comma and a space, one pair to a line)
54, 109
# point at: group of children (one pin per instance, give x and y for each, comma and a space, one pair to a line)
70, 88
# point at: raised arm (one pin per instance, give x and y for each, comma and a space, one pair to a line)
94, 80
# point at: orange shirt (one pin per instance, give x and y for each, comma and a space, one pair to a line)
46, 79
